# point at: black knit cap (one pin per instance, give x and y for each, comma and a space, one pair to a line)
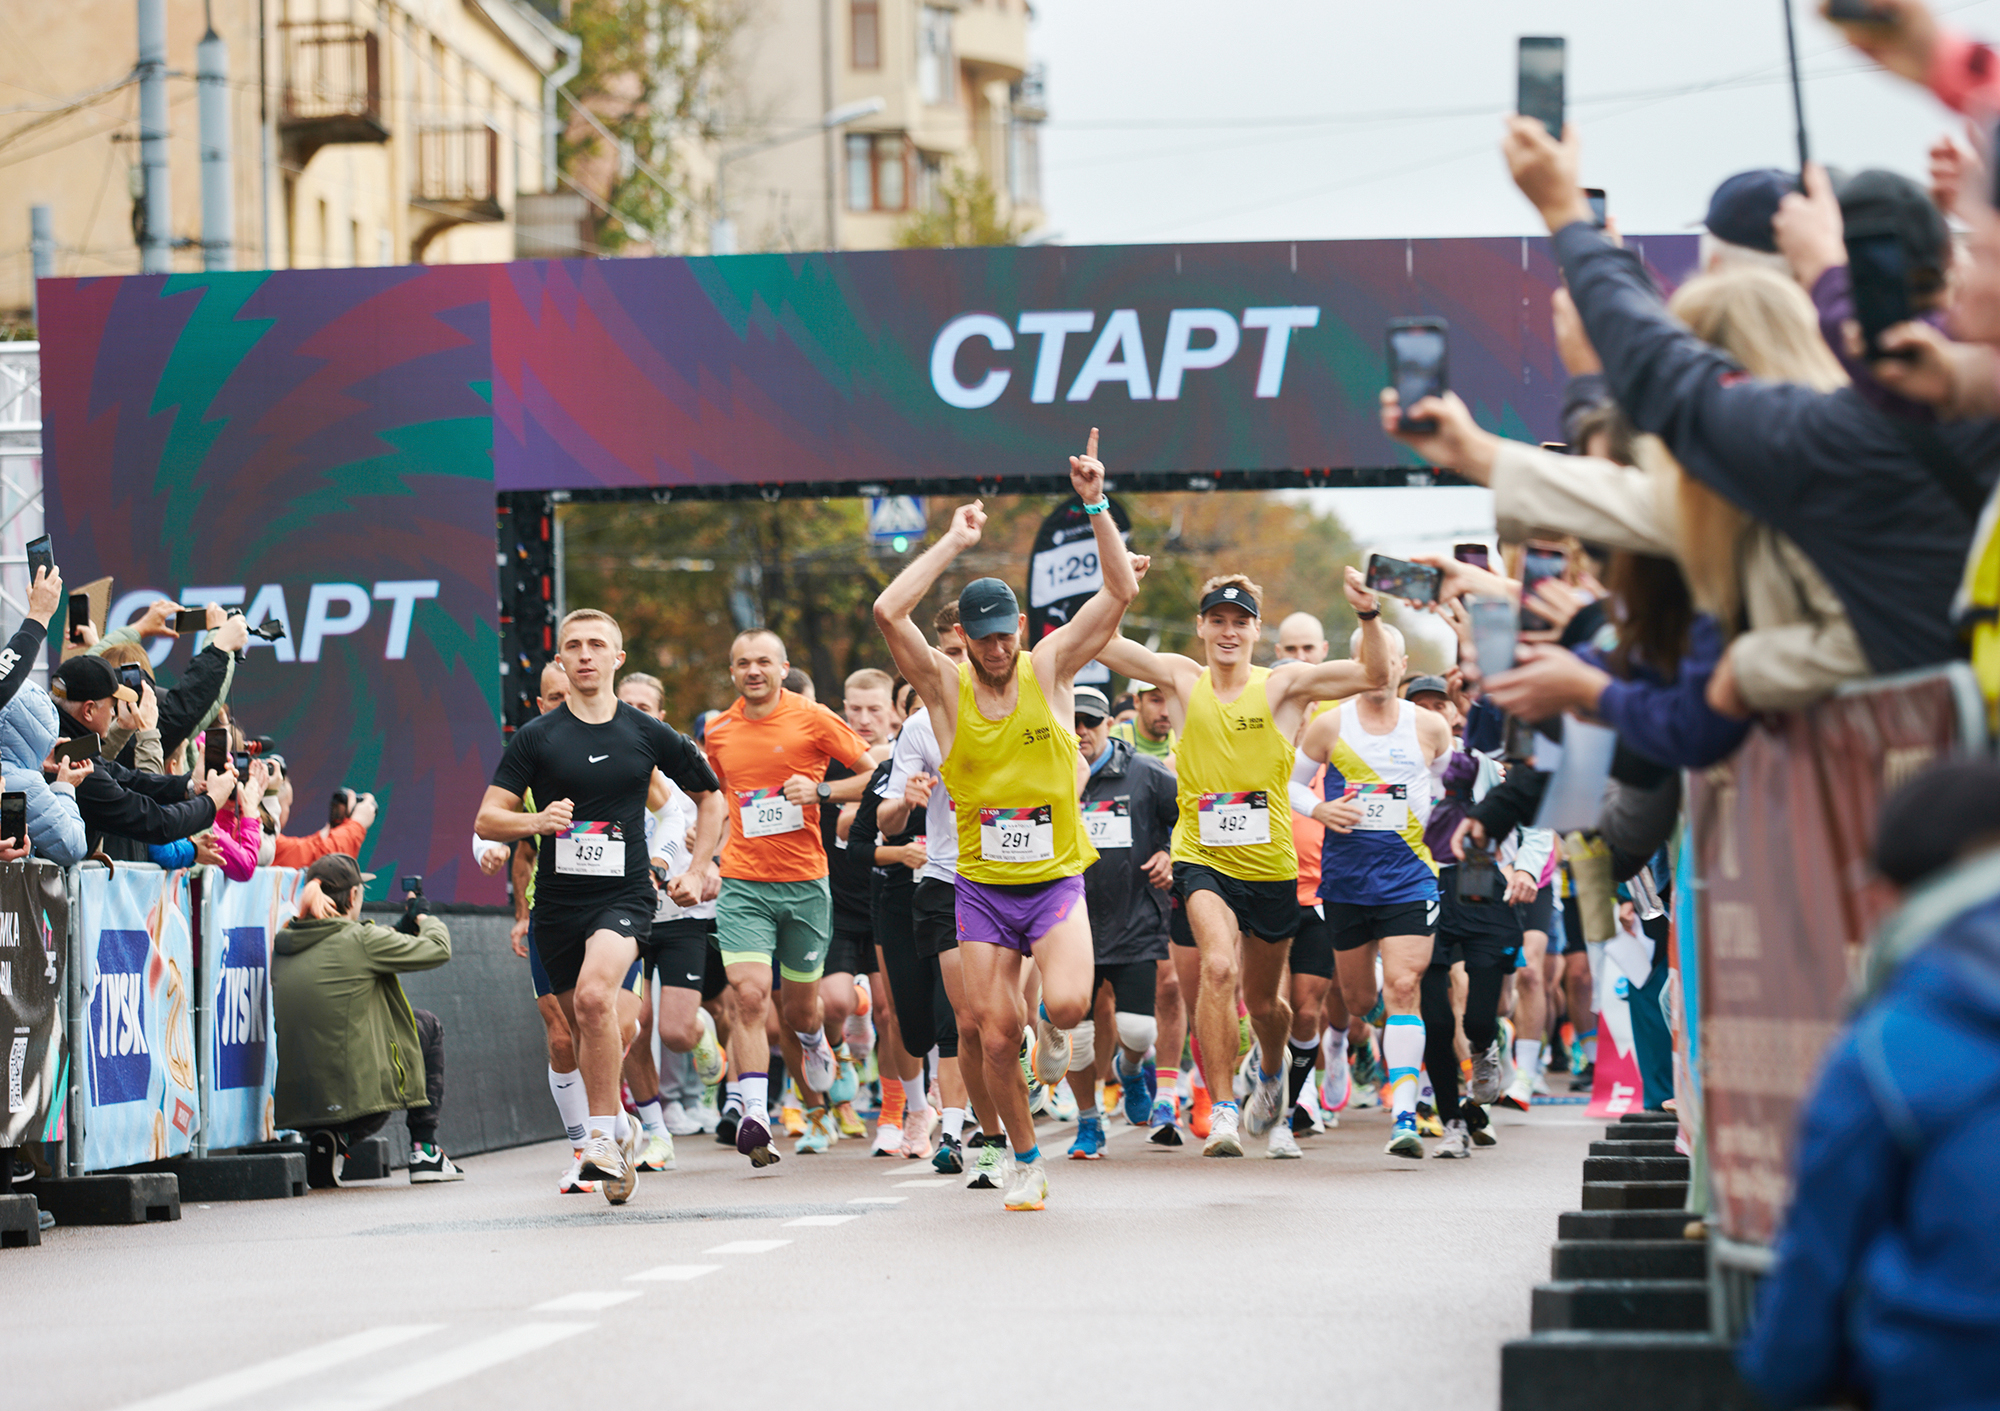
1930, 821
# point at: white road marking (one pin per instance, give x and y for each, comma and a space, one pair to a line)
405, 1383
247, 1381
818, 1222
878, 1200
676, 1273
747, 1247
923, 1181
587, 1301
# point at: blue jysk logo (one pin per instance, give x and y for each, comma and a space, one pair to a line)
242, 1008
121, 1066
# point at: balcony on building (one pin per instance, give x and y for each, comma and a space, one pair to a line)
457, 180
330, 87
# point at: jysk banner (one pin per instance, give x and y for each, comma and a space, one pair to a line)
238, 922
34, 936
138, 967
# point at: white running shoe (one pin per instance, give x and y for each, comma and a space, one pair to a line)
679, 1121
1245, 1081
1284, 1146
573, 1181
1051, 1059
709, 1117
888, 1141
1457, 1143
821, 1067
1336, 1089
657, 1154
1027, 1186
610, 1164
1485, 1086
1266, 1108
1222, 1137
709, 1063
1520, 1094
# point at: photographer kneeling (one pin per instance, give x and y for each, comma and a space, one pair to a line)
351, 1049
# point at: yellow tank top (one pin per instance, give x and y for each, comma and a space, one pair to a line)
1234, 771
1013, 787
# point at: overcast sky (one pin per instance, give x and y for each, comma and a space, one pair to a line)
1184, 121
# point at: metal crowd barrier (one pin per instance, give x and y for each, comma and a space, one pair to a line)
1783, 900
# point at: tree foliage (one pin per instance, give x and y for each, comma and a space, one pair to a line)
967, 212
654, 73
683, 578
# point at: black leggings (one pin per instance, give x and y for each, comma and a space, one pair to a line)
422, 1121
916, 984
1482, 1026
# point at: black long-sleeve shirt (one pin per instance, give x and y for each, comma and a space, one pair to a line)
18, 657
182, 708
1833, 473
148, 808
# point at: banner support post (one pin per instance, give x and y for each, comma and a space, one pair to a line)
79, 1034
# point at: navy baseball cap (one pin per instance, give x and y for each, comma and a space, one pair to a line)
1229, 596
987, 606
1740, 211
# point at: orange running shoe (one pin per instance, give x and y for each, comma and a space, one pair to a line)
1198, 1112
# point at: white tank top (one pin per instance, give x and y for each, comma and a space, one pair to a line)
1396, 758
1383, 861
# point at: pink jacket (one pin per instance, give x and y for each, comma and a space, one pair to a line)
237, 839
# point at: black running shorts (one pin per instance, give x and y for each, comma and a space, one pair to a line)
1356, 926
1267, 910
1312, 947
563, 924
681, 954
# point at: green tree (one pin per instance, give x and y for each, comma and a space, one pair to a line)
967, 213
653, 75
682, 579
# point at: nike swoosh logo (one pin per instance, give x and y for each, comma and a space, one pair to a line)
599, 758
694, 977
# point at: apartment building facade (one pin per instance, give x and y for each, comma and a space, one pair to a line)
363, 132
957, 87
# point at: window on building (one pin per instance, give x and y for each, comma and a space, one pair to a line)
1024, 164
930, 181
936, 70
877, 171
865, 33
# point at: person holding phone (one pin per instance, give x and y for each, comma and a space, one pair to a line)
28, 735
24, 649
1235, 868
114, 799
196, 699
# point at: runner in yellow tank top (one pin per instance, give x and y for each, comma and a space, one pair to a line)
1235, 872
1003, 726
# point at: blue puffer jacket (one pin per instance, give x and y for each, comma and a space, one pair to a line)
27, 734
1888, 1275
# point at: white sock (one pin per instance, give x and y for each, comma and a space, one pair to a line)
1425, 1092
624, 1125
1403, 1055
954, 1122
652, 1118
1528, 1056
732, 1096
914, 1101
814, 1042
756, 1088
571, 1104
607, 1125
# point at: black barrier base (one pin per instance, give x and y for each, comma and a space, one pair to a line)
20, 1222
367, 1160
264, 1175
1642, 1371
120, 1198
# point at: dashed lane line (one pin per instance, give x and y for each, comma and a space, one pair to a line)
878, 1200
747, 1247
587, 1301
818, 1222
405, 1383
674, 1273
248, 1381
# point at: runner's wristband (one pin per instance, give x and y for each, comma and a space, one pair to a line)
1369, 616
1100, 507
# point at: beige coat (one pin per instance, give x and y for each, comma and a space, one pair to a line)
1799, 645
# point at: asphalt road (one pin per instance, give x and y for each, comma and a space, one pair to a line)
1154, 1278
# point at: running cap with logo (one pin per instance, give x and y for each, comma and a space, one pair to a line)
1229, 596
987, 606
1090, 702
1420, 684
82, 679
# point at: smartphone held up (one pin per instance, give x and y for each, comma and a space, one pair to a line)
1417, 348
1399, 578
1540, 79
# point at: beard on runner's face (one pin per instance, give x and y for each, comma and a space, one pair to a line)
985, 648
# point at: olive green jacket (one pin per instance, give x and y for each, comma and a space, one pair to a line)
347, 1037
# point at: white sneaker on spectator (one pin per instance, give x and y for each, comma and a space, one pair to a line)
709, 1117
679, 1123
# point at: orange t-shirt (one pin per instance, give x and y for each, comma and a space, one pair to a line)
1309, 834
778, 842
